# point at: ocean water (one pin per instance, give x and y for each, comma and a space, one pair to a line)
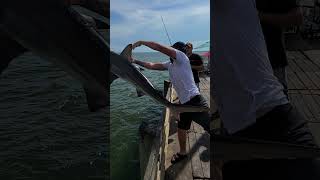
127, 111
46, 129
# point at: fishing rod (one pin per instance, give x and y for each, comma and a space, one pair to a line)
165, 28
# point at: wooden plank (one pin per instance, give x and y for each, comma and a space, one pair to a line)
291, 84
318, 75
298, 104
314, 127
164, 145
306, 68
305, 106
296, 80
309, 67
194, 155
203, 140
292, 74
301, 62
314, 78
191, 167
292, 63
204, 151
299, 72
306, 80
178, 171
181, 170
314, 55
316, 99
313, 106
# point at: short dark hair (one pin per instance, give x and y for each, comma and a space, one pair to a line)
180, 46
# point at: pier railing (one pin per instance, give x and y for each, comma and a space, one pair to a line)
154, 169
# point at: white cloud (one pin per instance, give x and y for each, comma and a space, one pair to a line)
141, 15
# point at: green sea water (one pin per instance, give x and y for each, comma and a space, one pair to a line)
127, 111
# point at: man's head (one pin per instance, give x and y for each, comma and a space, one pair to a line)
189, 48
180, 46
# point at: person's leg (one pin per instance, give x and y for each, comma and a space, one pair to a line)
201, 118
183, 125
281, 74
185, 122
182, 137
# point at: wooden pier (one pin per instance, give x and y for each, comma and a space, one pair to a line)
197, 165
304, 93
304, 86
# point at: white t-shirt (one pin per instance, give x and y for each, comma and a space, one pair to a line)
243, 80
181, 77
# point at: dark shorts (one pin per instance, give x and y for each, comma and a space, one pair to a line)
283, 124
201, 118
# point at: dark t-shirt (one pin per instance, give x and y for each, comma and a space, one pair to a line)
273, 34
195, 60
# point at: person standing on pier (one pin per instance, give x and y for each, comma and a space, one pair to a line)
180, 74
275, 16
251, 100
196, 63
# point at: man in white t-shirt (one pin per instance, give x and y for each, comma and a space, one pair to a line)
181, 77
250, 98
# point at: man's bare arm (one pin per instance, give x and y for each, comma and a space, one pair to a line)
149, 65
169, 51
292, 18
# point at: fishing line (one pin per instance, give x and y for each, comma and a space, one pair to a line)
165, 28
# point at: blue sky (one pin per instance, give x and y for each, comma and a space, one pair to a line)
133, 20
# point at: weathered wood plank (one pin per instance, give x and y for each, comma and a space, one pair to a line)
306, 80
203, 140
181, 170
193, 150
314, 127
299, 69
301, 62
316, 98
307, 70
204, 151
310, 67
296, 80
305, 106
292, 63
314, 55
314, 78
312, 105
297, 102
